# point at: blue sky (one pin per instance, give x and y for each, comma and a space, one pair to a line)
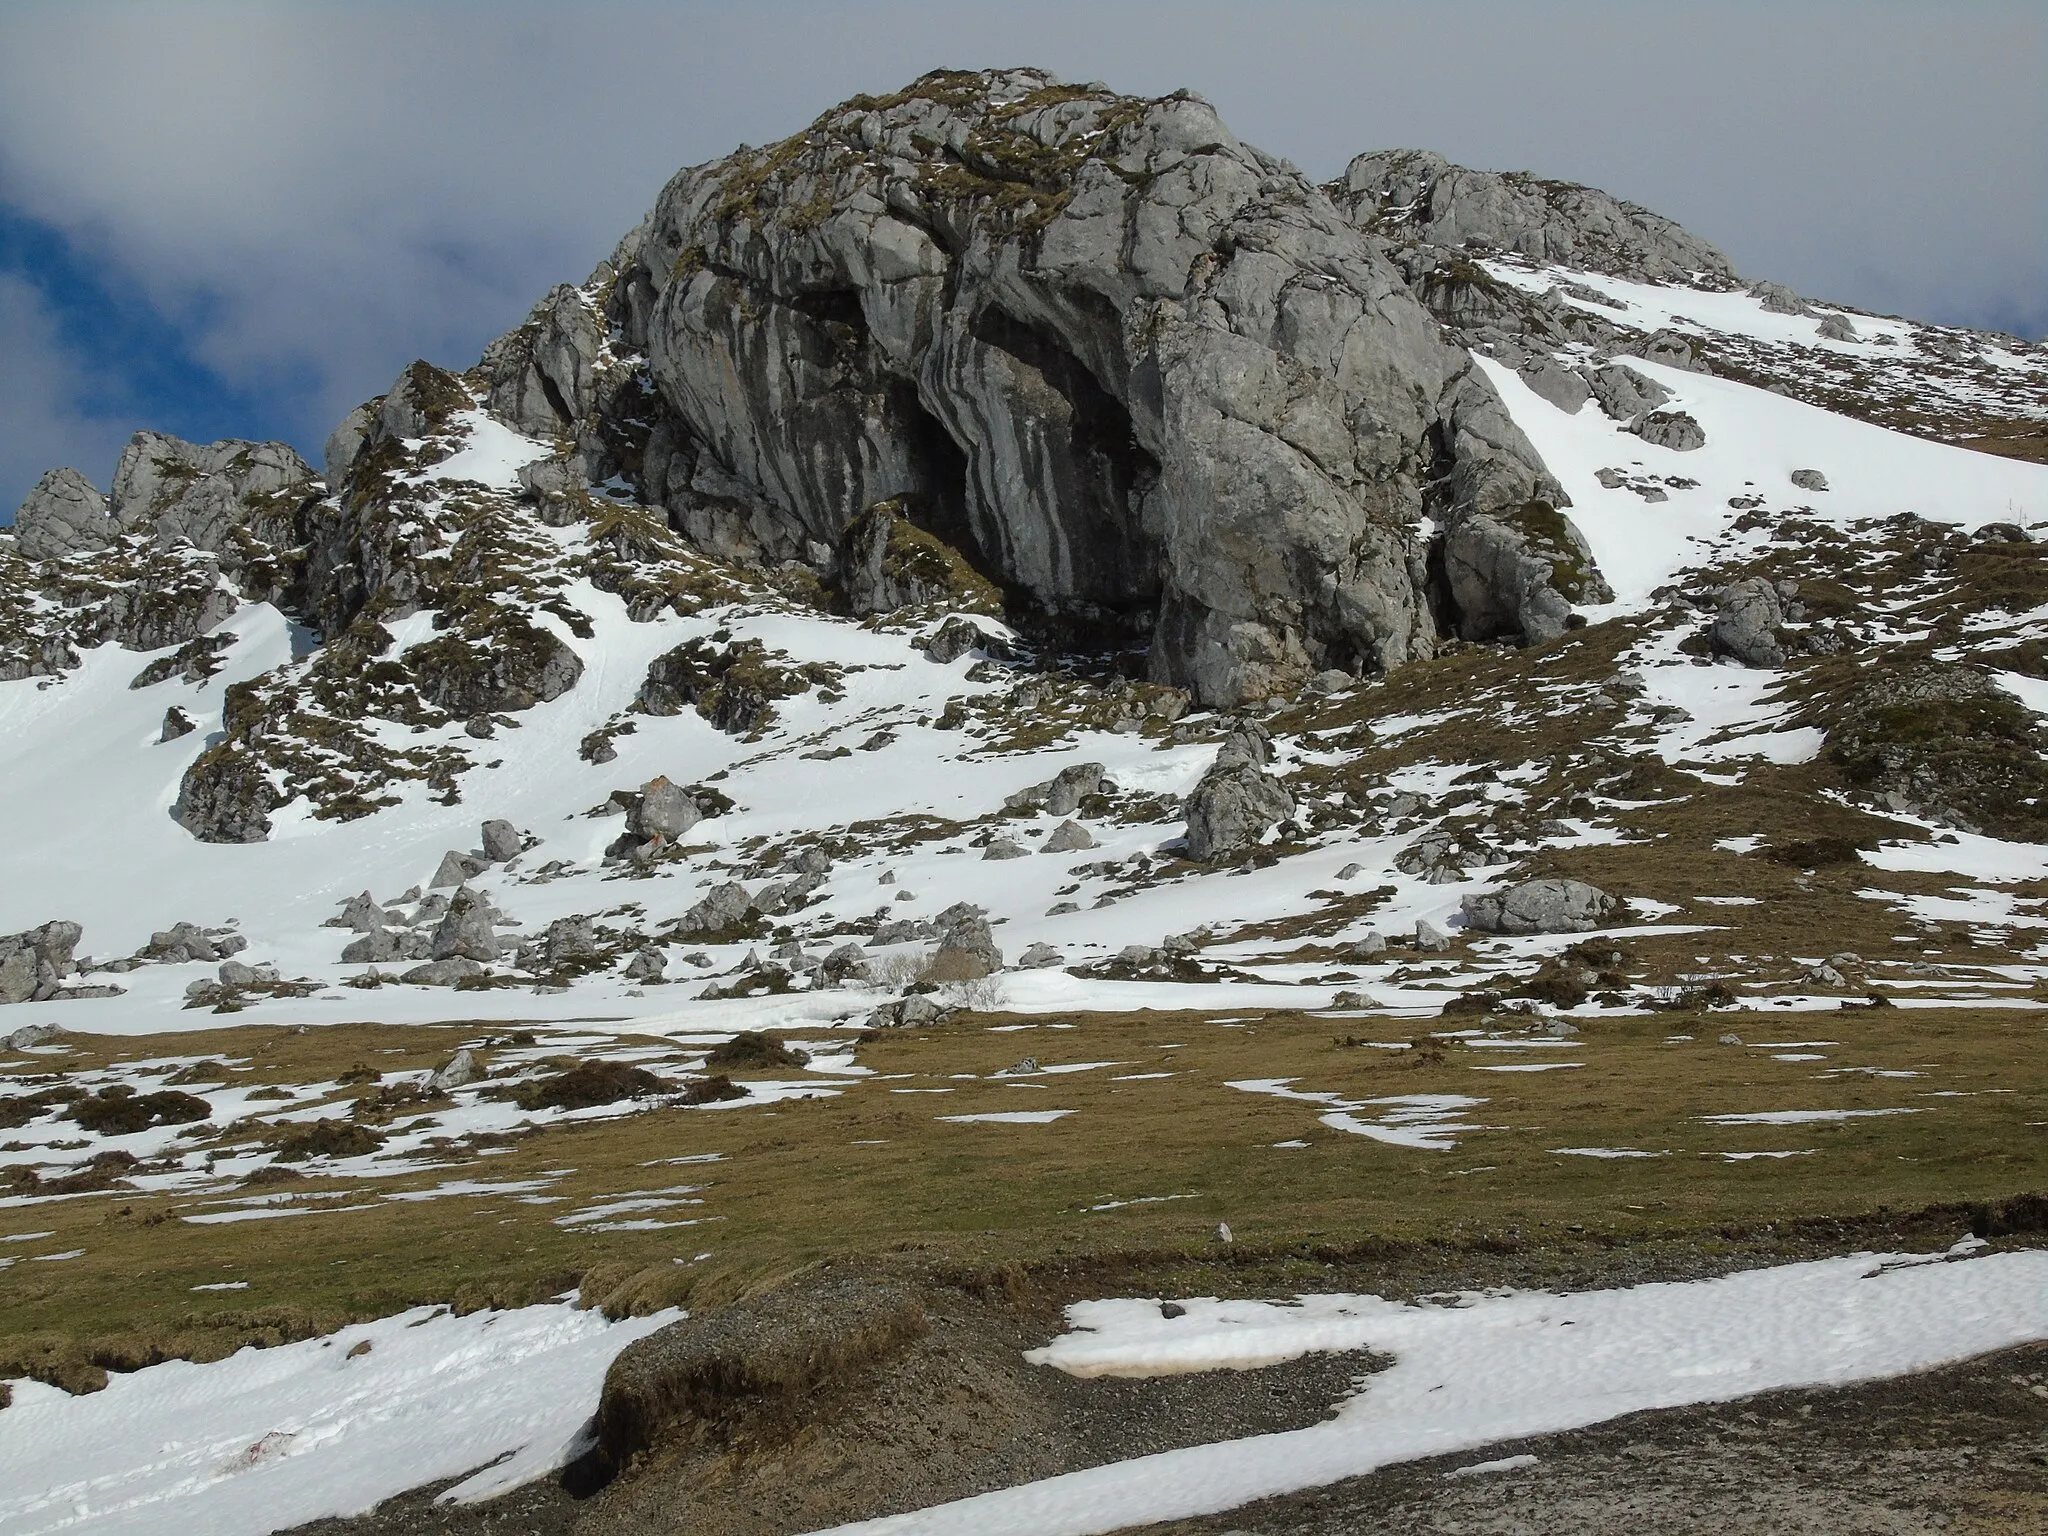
239, 219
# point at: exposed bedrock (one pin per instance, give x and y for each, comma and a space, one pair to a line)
1130, 368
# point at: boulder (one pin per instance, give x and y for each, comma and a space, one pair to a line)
1038, 957
501, 841
455, 868
959, 637
664, 810
1625, 394
359, 913
1430, 939
1551, 380
844, 964
442, 973
1541, 906
465, 932
226, 796
1231, 810
1067, 837
1675, 430
1517, 575
724, 908
182, 943
1747, 622
33, 964
63, 515
1837, 328
461, 1070
29, 1036
967, 946
1004, 848
376, 947
1062, 794
647, 965
1809, 480
1779, 300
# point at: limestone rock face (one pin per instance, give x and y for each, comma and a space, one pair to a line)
62, 516
543, 375
1517, 574
199, 492
1417, 195
1130, 369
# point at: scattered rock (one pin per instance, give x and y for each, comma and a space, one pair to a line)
1430, 939
461, 1070
1747, 622
959, 637
1625, 394
501, 841
1541, 906
967, 946
1004, 848
465, 933
1237, 800
1067, 837
647, 965
724, 910
1837, 328
1675, 430
176, 723
1062, 794
1809, 479
1038, 957
443, 973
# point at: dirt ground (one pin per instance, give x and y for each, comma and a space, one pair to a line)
1963, 1449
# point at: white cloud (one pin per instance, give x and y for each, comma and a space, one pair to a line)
44, 420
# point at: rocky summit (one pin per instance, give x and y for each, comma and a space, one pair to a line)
1338, 664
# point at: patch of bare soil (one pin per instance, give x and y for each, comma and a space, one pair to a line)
1961, 1450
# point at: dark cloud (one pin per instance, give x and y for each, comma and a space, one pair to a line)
305, 197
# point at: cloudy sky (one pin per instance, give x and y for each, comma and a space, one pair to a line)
240, 219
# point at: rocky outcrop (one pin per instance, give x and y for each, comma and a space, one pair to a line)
1517, 574
1237, 801
33, 965
62, 516
967, 945
1541, 906
201, 493
1123, 365
226, 797
1416, 196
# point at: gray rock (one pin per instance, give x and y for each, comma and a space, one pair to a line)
1625, 394
360, 913
460, 1071
176, 723
1779, 300
1067, 837
1231, 810
1675, 430
1747, 622
723, 908
182, 943
1430, 939
844, 964
1246, 741
1038, 957
465, 932
543, 377
1062, 794
345, 442
646, 965
29, 1036
233, 973
1674, 349
442, 973
203, 492
1414, 195
1809, 479
33, 964
375, 947
1837, 328
501, 841
569, 940
910, 1013
959, 637
1004, 848
1170, 379
1442, 855
967, 946
1373, 946
226, 797
1517, 576
63, 515
1541, 906
455, 868
1551, 380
